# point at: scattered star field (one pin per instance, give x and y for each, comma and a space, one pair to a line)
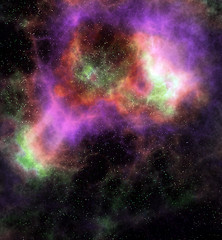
110, 119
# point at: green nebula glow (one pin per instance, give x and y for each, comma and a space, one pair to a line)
160, 78
103, 75
26, 157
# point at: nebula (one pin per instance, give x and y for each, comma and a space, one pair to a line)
111, 109
138, 70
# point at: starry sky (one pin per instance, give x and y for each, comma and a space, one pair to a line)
110, 119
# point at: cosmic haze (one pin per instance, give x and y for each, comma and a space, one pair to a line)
111, 120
